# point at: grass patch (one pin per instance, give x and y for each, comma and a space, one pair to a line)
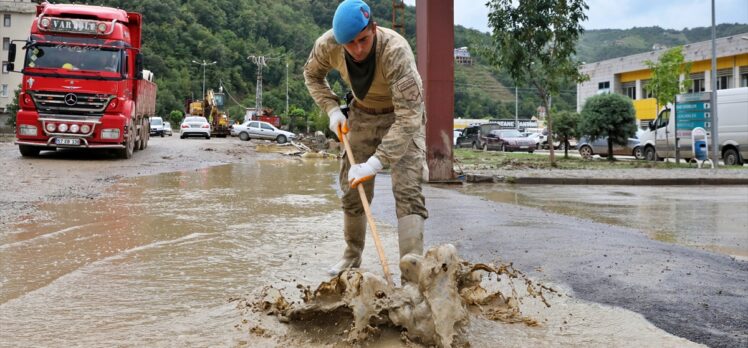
469, 159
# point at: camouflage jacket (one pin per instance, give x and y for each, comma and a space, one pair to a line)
396, 83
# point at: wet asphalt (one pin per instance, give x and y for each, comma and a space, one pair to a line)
688, 292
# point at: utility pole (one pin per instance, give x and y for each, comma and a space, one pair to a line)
516, 107
204, 64
260, 62
715, 120
286, 87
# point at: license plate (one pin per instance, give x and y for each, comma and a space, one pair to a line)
67, 141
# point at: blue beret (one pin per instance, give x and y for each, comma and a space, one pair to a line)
351, 17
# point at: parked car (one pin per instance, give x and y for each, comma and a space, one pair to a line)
473, 136
157, 125
195, 126
167, 128
537, 138
588, 148
261, 130
508, 140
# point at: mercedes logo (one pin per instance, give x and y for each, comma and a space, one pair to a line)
70, 99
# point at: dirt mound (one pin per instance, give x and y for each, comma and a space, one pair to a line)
435, 310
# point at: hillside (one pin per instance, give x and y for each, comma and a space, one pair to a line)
597, 45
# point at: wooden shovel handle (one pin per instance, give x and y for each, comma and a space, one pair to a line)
369, 216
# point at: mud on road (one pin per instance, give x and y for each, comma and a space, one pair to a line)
69, 174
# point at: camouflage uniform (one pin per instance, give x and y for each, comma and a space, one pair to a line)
388, 123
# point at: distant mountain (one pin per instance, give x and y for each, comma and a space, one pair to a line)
602, 44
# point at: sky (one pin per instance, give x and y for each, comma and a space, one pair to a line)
616, 14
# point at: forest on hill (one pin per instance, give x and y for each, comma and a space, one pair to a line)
178, 32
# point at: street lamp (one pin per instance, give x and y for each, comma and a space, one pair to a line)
204, 63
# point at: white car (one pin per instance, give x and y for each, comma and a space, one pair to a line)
167, 128
157, 125
261, 130
195, 126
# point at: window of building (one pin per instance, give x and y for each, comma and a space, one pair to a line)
6, 20
6, 43
4, 90
603, 85
646, 93
743, 76
5, 67
698, 83
724, 78
629, 90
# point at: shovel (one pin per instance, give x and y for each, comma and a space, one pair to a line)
369, 217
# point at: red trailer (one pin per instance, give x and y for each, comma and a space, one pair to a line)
83, 81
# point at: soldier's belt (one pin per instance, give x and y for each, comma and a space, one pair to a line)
373, 111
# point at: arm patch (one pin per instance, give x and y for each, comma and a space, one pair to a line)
408, 88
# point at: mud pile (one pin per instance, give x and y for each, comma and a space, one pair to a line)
435, 310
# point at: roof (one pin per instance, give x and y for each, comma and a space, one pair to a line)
99, 12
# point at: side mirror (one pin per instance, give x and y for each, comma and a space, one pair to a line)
651, 125
11, 57
139, 66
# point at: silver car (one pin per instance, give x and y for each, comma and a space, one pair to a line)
588, 148
261, 130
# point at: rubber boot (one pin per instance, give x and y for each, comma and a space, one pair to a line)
354, 228
410, 233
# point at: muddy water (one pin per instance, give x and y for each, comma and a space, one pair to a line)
708, 217
159, 260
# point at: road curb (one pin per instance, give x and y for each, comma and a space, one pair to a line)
479, 178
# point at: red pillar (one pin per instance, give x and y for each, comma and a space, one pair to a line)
435, 50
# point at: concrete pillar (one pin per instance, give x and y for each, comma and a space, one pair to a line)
639, 92
435, 46
736, 76
707, 80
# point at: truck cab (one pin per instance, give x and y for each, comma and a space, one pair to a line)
83, 84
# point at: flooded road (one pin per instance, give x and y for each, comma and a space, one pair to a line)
707, 217
157, 260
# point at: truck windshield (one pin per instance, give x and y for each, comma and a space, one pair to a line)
73, 58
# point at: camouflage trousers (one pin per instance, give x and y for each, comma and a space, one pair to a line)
365, 134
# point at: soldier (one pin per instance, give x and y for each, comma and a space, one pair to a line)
385, 125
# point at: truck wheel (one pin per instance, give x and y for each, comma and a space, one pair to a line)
162, 134
29, 151
650, 154
281, 139
126, 153
244, 136
731, 158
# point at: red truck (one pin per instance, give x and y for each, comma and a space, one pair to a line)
83, 82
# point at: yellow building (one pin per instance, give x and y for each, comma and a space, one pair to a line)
628, 75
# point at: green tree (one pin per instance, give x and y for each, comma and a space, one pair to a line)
13, 108
565, 127
535, 42
296, 114
665, 83
611, 116
175, 118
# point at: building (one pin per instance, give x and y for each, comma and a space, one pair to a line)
628, 75
16, 17
462, 56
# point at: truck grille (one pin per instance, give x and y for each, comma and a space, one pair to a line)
70, 104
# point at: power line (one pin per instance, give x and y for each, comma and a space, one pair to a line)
220, 82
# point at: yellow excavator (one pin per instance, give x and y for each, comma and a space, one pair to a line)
210, 109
